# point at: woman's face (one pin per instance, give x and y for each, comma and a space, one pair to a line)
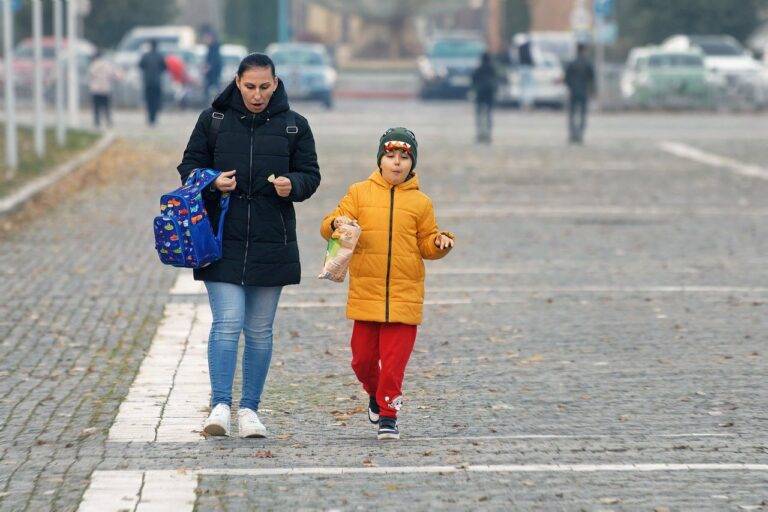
395, 166
256, 86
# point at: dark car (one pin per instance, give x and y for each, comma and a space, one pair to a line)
445, 71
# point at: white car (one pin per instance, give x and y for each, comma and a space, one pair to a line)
548, 87
231, 56
731, 68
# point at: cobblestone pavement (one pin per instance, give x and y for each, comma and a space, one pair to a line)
604, 308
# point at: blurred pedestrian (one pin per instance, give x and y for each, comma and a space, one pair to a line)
102, 75
153, 66
485, 80
580, 80
213, 65
525, 70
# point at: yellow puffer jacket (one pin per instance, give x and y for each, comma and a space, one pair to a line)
386, 274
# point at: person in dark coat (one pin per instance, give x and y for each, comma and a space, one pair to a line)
152, 66
213, 66
580, 80
485, 80
267, 153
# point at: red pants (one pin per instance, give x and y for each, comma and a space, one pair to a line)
380, 352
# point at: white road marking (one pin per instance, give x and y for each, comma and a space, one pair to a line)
691, 153
163, 490
112, 491
173, 372
596, 211
186, 285
142, 491
568, 436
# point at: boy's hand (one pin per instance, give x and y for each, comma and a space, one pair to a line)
339, 221
443, 242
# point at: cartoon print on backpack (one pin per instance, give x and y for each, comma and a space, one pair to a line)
183, 233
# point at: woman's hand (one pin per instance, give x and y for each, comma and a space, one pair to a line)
282, 186
226, 181
339, 221
443, 242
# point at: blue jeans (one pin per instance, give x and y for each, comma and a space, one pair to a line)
236, 309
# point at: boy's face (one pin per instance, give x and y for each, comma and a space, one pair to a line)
395, 166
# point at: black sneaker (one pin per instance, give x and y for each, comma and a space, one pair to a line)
373, 410
388, 428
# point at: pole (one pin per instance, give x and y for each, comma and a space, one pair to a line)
58, 30
11, 147
282, 21
37, 34
599, 62
73, 103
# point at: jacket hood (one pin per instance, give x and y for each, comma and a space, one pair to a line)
230, 97
411, 183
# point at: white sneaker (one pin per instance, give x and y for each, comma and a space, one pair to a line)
249, 425
217, 423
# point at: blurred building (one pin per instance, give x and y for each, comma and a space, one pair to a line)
201, 13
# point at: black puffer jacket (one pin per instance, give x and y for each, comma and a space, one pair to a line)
259, 243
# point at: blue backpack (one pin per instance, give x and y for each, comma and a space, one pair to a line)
184, 236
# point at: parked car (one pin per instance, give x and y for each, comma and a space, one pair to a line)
445, 71
561, 44
548, 89
731, 68
306, 71
658, 77
24, 64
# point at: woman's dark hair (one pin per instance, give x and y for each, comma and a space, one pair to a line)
255, 60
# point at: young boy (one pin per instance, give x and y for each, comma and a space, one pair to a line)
386, 273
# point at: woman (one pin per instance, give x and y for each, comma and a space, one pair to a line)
251, 134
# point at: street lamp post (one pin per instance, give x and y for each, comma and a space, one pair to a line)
58, 31
11, 147
37, 34
74, 87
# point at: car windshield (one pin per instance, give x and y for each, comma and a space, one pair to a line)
718, 48
299, 57
674, 60
457, 49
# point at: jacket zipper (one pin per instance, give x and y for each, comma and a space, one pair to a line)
248, 200
285, 231
389, 248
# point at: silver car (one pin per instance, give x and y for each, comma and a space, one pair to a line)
306, 71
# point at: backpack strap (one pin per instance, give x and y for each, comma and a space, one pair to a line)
213, 131
202, 178
291, 129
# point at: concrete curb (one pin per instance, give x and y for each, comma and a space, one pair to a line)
38, 185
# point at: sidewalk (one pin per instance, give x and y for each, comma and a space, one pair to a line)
595, 341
